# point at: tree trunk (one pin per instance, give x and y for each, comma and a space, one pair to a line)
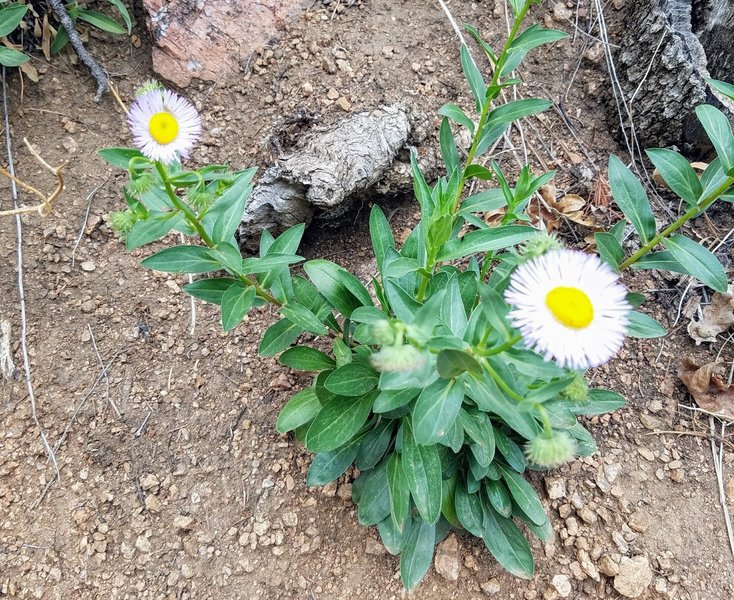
690, 40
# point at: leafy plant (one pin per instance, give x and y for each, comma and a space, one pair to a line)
79, 12
11, 16
429, 388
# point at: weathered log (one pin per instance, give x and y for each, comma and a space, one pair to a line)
690, 41
329, 168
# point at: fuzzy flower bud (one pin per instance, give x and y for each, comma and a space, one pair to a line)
201, 200
539, 245
552, 451
122, 222
141, 184
397, 358
149, 86
577, 390
383, 332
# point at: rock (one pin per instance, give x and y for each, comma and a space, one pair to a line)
639, 521
149, 482
572, 526
88, 265
607, 566
142, 543
447, 562
344, 104
332, 94
587, 566
647, 454
491, 587
587, 515
374, 548
562, 585
260, 529
635, 575
290, 519
212, 40
650, 422
306, 89
182, 523
555, 487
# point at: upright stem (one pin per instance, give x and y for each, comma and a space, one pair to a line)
677, 224
194, 221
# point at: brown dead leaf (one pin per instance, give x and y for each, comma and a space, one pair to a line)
707, 384
717, 317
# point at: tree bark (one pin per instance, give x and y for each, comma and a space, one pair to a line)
668, 49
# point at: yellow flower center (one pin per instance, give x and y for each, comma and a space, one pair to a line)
163, 127
570, 306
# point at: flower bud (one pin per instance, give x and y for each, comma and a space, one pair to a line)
383, 332
540, 244
552, 451
122, 222
398, 358
149, 86
577, 390
140, 184
201, 200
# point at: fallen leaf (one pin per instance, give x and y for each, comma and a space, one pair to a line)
717, 317
707, 384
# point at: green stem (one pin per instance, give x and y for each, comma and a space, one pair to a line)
194, 221
501, 382
682, 220
506, 346
547, 425
485, 109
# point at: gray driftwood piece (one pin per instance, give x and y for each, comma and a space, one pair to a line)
691, 40
325, 172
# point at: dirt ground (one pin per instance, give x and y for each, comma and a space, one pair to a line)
174, 483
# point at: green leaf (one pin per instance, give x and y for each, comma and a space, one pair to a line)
524, 496
337, 286
119, 157
278, 337
499, 498
399, 492
381, 235
697, 261
374, 504
327, 466
473, 77
469, 510
391, 537
12, 58
10, 18
678, 173
508, 545
600, 402
659, 260
488, 397
123, 13
510, 450
182, 259
485, 46
436, 410
353, 379
721, 86
533, 37
231, 207
299, 410
585, 444
374, 445
485, 240
267, 263
210, 290
402, 303
304, 318
153, 227
478, 171
389, 400
236, 301
338, 421
719, 131
448, 147
517, 109
452, 363
417, 555
422, 470
101, 21
457, 115
641, 326
60, 40
517, 6
303, 358
610, 250
630, 196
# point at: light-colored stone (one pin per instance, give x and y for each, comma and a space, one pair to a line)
447, 561
555, 487
374, 548
607, 566
491, 587
562, 585
142, 543
183, 523
635, 575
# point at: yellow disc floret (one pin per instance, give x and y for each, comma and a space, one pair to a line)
163, 127
570, 306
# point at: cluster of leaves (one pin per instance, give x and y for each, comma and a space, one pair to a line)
53, 40
424, 386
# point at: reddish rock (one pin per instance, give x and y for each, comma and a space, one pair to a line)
210, 39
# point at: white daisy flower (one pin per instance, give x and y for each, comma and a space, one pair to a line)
569, 306
164, 125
